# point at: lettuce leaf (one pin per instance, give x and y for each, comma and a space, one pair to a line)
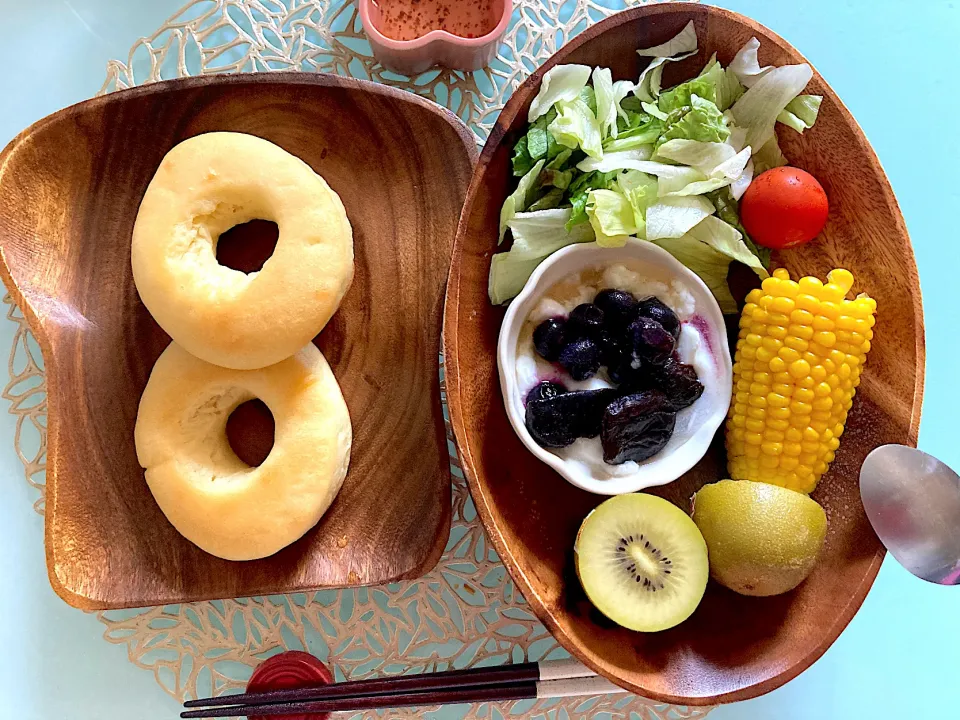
711, 265
768, 156
684, 41
674, 216
726, 86
708, 249
579, 192
560, 83
522, 162
702, 121
552, 199
611, 216
746, 64
704, 156
640, 128
640, 190
617, 160
540, 233
739, 186
759, 107
508, 275
536, 235
519, 199
655, 111
681, 46
726, 239
608, 96
801, 112
540, 143
577, 127
680, 96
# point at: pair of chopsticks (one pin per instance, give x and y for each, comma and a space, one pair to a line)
564, 678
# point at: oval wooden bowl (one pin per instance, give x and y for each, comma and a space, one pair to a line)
70, 187
733, 647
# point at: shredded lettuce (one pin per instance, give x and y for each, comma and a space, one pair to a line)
708, 249
739, 186
536, 235
519, 198
655, 111
701, 121
681, 46
683, 42
726, 239
508, 275
560, 83
522, 162
640, 190
618, 160
611, 216
577, 127
608, 95
759, 107
801, 112
727, 88
674, 216
768, 156
746, 65
711, 265
704, 156
612, 160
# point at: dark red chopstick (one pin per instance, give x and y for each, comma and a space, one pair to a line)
458, 679
513, 691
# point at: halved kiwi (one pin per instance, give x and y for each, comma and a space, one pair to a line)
642, 562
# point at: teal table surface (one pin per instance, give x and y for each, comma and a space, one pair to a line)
892, 63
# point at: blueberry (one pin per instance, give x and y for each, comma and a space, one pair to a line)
549, 338
636, 427
581, 359
612, 348
559, 420
588, 407
545, 390
650, 341
548, 426
679, 382
585, 321
652, 308
619, 307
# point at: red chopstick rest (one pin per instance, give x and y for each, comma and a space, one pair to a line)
290, 670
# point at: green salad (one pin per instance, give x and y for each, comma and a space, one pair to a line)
618, 161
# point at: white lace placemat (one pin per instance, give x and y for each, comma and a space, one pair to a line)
466, 612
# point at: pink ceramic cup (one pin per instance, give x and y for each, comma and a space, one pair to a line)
437, 47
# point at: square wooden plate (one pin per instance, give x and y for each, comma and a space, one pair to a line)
70, 187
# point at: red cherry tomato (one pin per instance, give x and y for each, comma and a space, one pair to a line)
784, 207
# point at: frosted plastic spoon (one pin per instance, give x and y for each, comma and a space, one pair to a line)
913, 502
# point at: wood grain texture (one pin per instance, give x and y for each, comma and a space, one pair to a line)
733, 647
70, 187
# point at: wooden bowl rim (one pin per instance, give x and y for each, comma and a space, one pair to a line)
35, 323
451, 354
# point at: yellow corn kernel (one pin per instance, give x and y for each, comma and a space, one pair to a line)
777, 364
797, 365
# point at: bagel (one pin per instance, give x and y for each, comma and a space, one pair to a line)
203, 187
210, 496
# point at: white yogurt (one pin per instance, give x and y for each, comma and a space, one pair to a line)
692, 348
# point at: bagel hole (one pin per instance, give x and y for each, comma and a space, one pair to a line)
250, 432
246, 247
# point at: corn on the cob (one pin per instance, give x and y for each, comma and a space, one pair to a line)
797, 366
